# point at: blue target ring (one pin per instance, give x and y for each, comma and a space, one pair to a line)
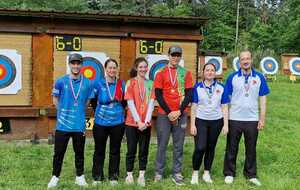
296, 65
216, 63
97, 71
7, 71
157, 67
269, 65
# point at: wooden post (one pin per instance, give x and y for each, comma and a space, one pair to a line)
42, 79
127, 57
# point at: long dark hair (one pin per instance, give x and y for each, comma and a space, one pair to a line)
133, 71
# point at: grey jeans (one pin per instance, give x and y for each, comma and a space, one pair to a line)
164, 128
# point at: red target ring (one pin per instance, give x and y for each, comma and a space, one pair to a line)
3, 72
89, 72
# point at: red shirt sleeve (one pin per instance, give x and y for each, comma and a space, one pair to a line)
158, 82
188, 82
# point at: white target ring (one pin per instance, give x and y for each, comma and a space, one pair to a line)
269, 65
236, 63
294, 65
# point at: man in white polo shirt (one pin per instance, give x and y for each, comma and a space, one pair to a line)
247, 89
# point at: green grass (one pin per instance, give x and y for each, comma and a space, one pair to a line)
26, 166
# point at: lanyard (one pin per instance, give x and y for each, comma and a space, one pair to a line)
142, 92
75, 96
111, 97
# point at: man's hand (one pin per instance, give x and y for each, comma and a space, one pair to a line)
261, 124
174, 115
193, 130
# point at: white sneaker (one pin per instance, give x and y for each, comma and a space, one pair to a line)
194, 180
228, 180
129, 180
157, 178
255, 181
141, 181
206, 178
80, 180
95, 183
53, 182
113, 182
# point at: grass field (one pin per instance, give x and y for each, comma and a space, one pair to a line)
26, 166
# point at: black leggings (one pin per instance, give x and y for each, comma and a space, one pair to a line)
60, 147
206, 139
135, 137
115, 134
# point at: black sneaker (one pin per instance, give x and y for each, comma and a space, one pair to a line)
178, 179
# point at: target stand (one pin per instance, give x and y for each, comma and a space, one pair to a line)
294, 65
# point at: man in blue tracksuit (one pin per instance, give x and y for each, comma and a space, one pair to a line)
247, 89
71, 94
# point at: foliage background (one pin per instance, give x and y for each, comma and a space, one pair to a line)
267, 27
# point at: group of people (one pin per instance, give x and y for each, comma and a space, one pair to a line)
233, 109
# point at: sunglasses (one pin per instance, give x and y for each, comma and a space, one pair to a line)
175, 55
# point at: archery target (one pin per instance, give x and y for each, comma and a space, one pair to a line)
10, 72
93, 65
217, 61
294, 64
236, 63
157, 63
269, 65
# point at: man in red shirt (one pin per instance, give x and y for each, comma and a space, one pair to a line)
173, 90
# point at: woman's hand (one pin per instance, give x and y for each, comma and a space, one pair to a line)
225, 130
141, 126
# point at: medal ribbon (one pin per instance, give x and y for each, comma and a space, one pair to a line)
173, 80
247, 82
142, 92
211, 90
72, 89
111, 97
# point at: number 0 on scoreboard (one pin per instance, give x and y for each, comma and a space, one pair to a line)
151, 47
68, 43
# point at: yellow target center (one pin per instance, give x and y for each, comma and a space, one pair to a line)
88, 73
1, 71
270, 65
298, 66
